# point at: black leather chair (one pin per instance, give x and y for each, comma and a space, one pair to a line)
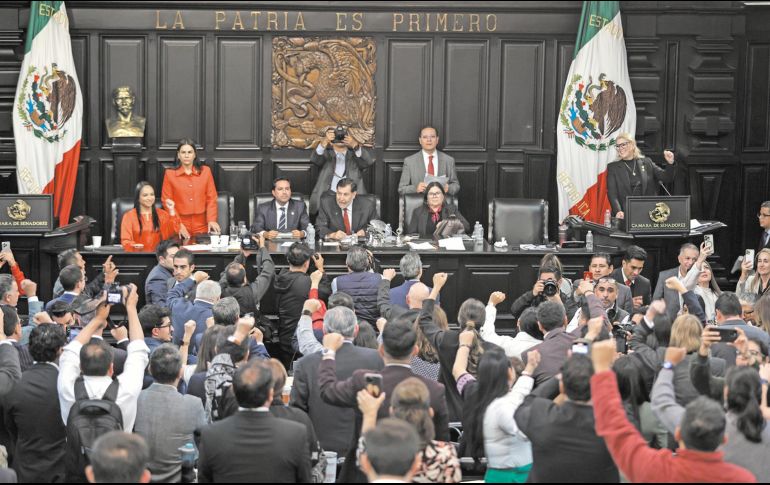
519, 221
225, 211
119, 207
372, 197
263, 197
409, 202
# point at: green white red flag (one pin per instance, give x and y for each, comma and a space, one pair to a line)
597, 105
48, 110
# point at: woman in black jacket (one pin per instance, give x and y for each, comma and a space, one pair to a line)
435, 209
634, 174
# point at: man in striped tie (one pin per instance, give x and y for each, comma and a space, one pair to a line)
428, 162
282, 215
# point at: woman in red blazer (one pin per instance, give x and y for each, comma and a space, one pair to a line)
191, 186
144, 226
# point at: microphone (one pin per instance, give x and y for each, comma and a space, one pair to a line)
664, 188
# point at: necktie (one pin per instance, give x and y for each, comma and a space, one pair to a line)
282, 220
765, 238
347, 221
430, 165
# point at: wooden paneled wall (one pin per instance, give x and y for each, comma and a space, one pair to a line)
700, 74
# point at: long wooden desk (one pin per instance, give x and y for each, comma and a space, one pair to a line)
473, 273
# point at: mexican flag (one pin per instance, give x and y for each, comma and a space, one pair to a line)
596, 107
48, 110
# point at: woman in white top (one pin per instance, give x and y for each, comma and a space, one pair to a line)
759, 281
488, 425
708, 289
528, 335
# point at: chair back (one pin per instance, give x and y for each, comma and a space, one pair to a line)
409, 202
519, 221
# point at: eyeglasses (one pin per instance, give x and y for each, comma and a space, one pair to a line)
163, 326
429, 137
622, 145
434, 194
760, 215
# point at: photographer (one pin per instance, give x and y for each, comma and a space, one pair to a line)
235, 278
546, 288
338, 156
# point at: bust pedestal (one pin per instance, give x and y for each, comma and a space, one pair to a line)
125, 155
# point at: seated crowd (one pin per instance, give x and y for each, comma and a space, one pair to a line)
599, 381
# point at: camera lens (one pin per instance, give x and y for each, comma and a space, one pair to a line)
550, 288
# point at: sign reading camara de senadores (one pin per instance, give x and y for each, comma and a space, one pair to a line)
658, 215
26, 213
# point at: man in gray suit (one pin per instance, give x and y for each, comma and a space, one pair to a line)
428, 161
166, 431
688, 255
336, 161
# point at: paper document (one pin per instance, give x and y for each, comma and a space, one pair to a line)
533, 247
443, 179
198, 247
285, 235
452, 244
287, 244
425, 246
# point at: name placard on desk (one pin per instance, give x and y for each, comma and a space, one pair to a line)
664, 215
26, 213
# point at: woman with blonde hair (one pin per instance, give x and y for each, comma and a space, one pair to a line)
758, 281
634, 174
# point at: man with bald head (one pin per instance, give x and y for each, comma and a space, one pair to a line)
414, 298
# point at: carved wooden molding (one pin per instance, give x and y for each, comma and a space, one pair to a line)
322, 82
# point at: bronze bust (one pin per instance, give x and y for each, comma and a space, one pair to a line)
126, 124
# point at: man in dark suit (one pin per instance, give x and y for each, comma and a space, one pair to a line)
183, 264
206, 295
343, 215
333, 424
337, 160
11, 328
397, 349
281, 215
10, 370
156, 286
428, 161
629, 274
551, 319
565, 447
688, 255
252, 445
728, 315
600, 266
32, 414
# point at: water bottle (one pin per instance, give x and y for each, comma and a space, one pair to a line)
562, 234
188, 454
310, 235
607, 218
388, 230
590, 242
242, 230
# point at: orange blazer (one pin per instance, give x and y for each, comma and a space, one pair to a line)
129, 230
193, 194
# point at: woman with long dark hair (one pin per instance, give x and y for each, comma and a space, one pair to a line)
434, 210
708, 289
145, 226
191, 185
490, 404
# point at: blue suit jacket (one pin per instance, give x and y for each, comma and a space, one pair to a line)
266, 218
67, 298
183, 310
398, 294
156, 286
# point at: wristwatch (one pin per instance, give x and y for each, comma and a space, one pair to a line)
668, 365
327, 353
307, 312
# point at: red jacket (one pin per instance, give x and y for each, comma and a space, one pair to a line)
640, 463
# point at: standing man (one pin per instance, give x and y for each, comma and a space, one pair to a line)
337, 159
340, 216
764, 222
282, 214
629, 274
428, 161
688, 255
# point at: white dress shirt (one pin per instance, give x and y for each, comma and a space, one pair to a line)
425, 159
513, 346
131, 380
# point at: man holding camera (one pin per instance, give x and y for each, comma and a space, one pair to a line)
235, 278
546, 288
338, 156
428, 161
